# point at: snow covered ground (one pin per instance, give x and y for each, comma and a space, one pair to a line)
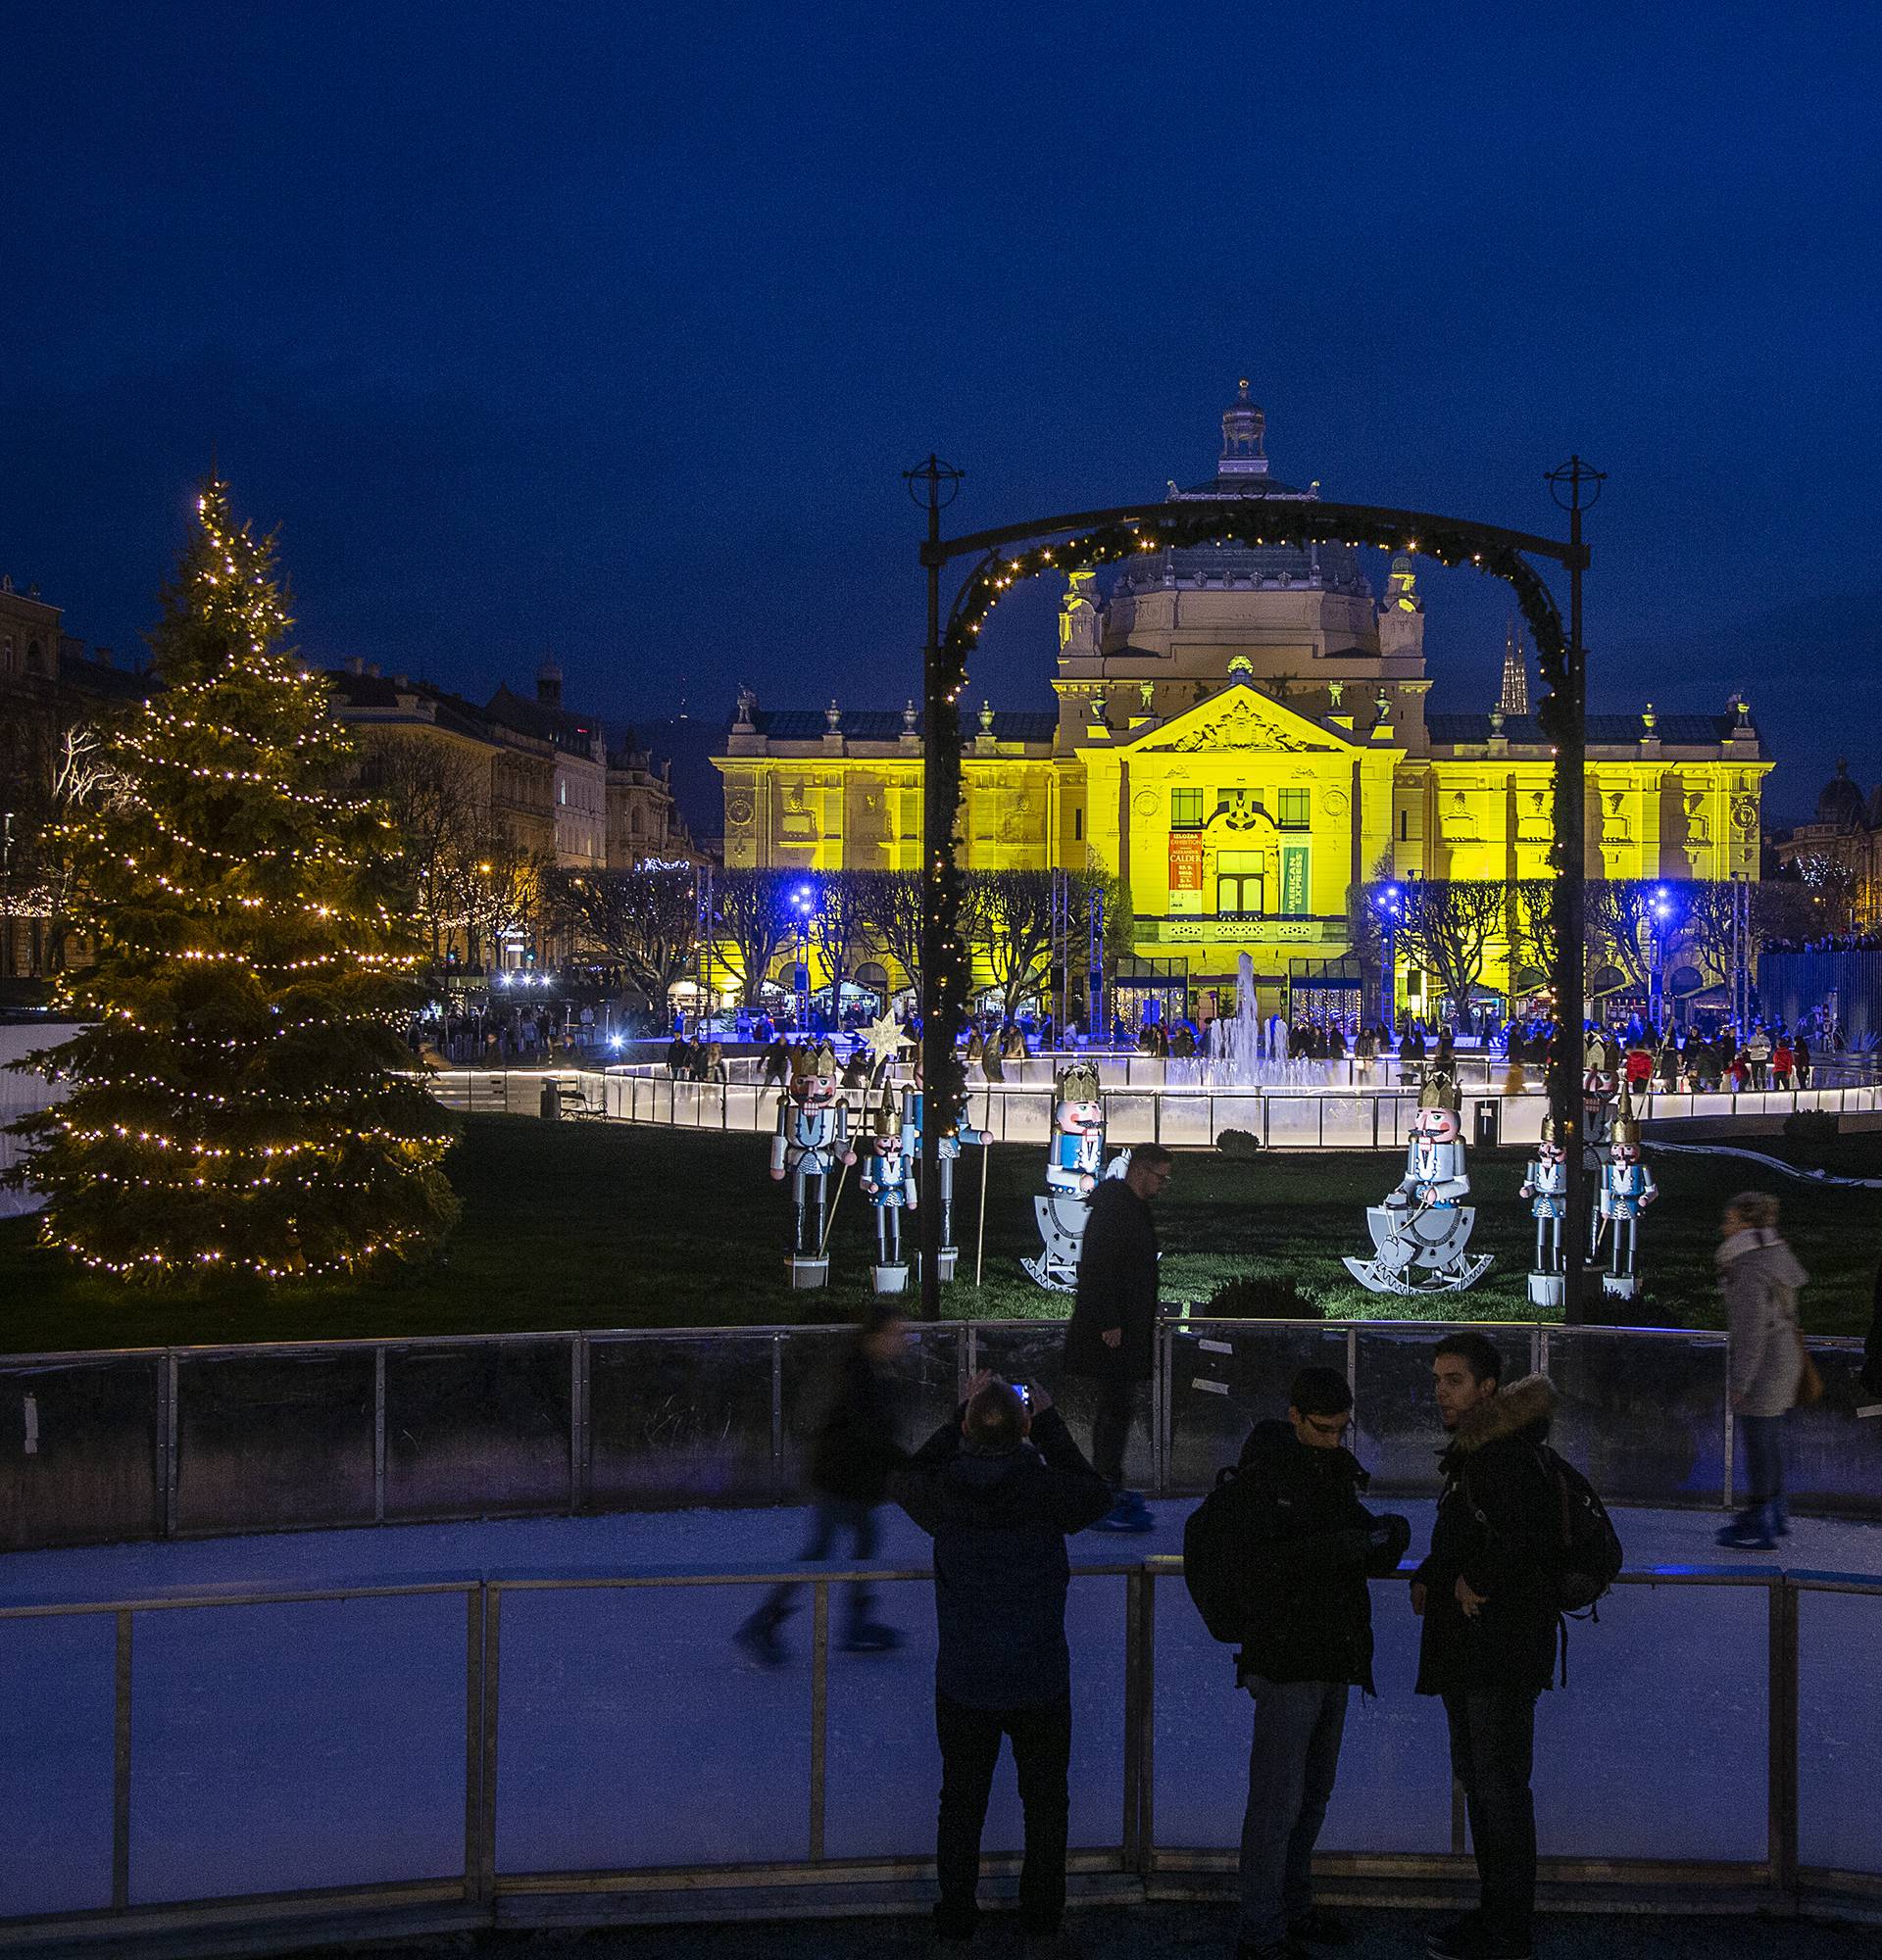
283, 1746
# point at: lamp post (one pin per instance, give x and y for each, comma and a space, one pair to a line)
1574, 486
1388, 907
804, 911
1657, 929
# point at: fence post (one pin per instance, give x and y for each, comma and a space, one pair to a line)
777, 1419
1730, 1438
577, 1421
120, 1770
482, 1612
819, 1711
379, 1434
1140, 1719
1782, 1696
171, 1445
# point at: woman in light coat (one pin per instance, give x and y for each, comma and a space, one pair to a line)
1759, 1277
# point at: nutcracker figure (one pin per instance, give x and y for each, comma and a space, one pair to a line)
1627, 1188
889, 1180
1599, 1082
1546, 1186
811, 1138
1421, 1233
914, 1110
1074, 1162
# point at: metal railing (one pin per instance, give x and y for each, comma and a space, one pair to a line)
485, 1749
191, 1442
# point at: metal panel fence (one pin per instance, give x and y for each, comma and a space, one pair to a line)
1363, 1115
187, 1442
517, 1749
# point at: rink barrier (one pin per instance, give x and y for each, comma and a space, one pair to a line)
203, 1442
117, 1888
1341, 1110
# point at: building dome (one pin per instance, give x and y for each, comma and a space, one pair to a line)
1841, 803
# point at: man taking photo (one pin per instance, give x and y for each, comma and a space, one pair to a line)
1309, 1549
1112, 1338
998, 1489
1488, 1599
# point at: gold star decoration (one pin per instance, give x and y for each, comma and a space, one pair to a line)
885, 1038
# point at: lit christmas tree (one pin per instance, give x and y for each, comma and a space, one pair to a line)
236, 1101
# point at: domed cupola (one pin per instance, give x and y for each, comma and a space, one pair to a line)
1840, 805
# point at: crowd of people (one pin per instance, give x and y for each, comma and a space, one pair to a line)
1281, 1559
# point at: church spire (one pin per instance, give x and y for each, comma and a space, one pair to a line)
1515, 673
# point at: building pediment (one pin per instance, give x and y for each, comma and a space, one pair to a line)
1239, 717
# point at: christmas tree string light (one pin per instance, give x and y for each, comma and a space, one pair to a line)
241, 1101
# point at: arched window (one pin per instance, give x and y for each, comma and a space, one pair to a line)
35, 659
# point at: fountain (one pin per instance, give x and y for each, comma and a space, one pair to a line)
1244, 1052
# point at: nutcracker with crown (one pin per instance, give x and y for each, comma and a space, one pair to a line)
1074, 1162
811, 1138
889, 1182
914, 1113
1627, 1188
1598, 1085
1421, 1232
1546, 1186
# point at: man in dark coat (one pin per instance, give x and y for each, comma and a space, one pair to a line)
1488, 1599
1869, 1381
1309, 1547
855, 1449
998, 1489
1112, 1338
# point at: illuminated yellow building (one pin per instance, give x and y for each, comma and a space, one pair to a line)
1242, 735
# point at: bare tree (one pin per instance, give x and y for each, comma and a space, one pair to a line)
435, 798
895, 913
1447, 926
645, 920
753, 917
841, 925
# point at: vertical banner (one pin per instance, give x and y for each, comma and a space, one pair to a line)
1294, 879
1185, 861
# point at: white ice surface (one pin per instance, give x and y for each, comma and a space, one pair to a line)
277, 1746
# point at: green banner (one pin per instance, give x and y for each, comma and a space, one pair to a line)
1294, 879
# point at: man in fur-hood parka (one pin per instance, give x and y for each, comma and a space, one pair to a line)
1487, 1594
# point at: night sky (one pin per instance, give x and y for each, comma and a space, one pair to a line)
608, 329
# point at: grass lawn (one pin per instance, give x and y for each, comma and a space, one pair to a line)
591, 1225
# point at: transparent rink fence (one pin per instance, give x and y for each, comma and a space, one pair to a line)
192, 1442
549, 1750
1336, 1116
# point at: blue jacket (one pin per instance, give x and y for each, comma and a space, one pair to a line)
999, 1525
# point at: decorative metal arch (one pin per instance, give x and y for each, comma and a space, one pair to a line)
1084, 540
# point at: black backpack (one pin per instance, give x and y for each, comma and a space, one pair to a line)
1214, 1562
1588, 1554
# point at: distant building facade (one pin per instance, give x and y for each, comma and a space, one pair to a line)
1242, 734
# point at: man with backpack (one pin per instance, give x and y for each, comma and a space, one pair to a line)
1278, 1557
1520, 1538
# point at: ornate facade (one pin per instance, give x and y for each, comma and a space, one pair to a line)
1241, 735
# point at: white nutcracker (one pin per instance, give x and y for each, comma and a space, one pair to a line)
1627, 1188
1421, 1232
913, 1114
888, 1177
1546, 1186
811, 1138
1074, 1162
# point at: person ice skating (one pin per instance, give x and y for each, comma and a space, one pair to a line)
1488, 1648
1310, 1546
857, 1447
998, 1489
1759, 1277
1113, 1332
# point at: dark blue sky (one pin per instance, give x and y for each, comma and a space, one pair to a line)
609, 328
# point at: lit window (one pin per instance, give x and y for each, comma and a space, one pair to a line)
1238, 883
1185, 809
1294, 810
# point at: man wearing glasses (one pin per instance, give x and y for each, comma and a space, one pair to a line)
1310, 1547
